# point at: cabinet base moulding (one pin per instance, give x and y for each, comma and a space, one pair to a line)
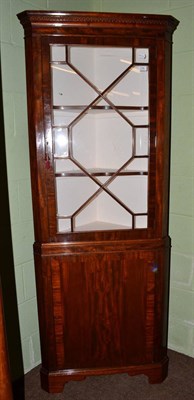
53, 382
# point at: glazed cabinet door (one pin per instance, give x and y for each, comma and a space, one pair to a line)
100, 133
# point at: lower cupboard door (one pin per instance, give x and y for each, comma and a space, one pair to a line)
103, 307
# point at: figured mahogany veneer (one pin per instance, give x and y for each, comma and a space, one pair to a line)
102, 295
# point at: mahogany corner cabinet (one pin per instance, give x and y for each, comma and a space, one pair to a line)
99, 94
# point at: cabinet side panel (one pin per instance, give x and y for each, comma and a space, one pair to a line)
45, 310
162, 269
36, 136
163, 122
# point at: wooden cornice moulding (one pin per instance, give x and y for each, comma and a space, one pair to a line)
60, 19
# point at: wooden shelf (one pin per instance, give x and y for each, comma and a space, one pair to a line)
99, 108
98, 172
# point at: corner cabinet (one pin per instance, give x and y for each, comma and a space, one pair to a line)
99, 92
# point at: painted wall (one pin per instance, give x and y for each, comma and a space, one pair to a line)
181, 327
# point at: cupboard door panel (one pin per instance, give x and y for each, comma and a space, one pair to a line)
106, 304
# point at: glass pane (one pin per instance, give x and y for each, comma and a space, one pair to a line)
60, 142
62, 117
68, 88
136, 118
132, 90
103, 213
65, 166
58, 53
141, 55
132, 191
72, 193
138, 164
142, 141
64, 225
102, 141
101, 65
141, 221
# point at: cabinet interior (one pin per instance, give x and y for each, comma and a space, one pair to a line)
100, 136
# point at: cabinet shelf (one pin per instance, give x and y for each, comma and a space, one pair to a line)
100, 226
98, 172
99, 108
